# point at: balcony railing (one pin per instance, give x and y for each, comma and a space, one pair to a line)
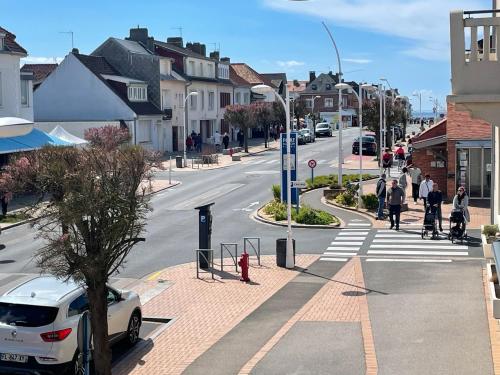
474, 45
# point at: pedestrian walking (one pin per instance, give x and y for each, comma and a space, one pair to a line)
198, 143
434, 200
189, 143
461, 202
425, 188
217, 140
381, 192
403, 182
387, 161
395, 199
225, 141
241, 138
416, 179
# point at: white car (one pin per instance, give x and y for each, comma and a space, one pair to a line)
39, 325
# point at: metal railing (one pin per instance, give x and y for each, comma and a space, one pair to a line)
227, 247
249, 242
200, 254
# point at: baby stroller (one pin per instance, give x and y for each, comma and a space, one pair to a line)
458, 226
429, 229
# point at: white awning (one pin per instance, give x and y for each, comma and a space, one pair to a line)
61, 133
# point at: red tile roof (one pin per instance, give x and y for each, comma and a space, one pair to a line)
300, 88
10, 43
40, 71
247, 73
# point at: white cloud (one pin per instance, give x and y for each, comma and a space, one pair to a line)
290, 64
424, 23
358, 61
41, 60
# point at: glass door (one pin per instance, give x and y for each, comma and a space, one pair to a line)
475, 172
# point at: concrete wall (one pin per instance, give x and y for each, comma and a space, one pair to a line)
10, 89
134, 65
73, 93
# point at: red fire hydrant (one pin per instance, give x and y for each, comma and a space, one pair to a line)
231, 152
244, 264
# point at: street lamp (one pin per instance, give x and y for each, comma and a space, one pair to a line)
193, 93
419, 96
265, 89
367, 88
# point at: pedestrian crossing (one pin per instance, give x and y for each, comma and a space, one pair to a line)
384, 245
264, 161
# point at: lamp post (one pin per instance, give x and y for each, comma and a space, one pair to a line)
341, 156
265, 89
419, 96
193, 93
359, 96
435, 108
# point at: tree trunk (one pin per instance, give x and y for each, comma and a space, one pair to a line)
97, 295
266, 135
245, 140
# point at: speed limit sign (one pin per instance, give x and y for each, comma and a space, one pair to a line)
311, 163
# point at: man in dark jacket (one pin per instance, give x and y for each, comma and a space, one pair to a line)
434, 200
395, 199
381, 192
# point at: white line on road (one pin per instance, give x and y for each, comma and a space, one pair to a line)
357, 220
418, 252
420, 241
402, 235
353, 233
342, 248
347, 243
272, 161
352, 238
391, 231
420, 246
321, 161
334, 259
409, 260
341, 254
358, 224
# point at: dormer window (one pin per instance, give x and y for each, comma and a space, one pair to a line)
314, 87
137, 93
328, 86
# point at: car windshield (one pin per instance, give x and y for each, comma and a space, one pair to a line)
365, 139
27, 315
304, 131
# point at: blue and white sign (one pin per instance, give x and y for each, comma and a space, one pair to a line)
293, 154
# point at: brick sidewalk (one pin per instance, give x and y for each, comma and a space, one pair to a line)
204, 311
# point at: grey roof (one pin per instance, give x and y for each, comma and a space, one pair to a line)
132, 46
182, 51
321, 83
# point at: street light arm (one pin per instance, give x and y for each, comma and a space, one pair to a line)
336, 49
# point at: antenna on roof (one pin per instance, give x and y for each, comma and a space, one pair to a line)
69, 32
215, 47
178, 28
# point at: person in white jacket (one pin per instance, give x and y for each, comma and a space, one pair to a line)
425, 188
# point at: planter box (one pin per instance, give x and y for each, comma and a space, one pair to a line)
332, 193
494, 291
487, 247
236, 158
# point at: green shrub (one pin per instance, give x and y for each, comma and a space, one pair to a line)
490, 230
319, 181
370, 201
276, 209
308, 215
332, 180
276, 192
345, 199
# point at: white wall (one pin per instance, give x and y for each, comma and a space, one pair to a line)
202, 113
73, 93
11, 89
77, 128
208, 67
175, 100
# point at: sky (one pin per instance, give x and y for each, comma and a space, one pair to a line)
404, 41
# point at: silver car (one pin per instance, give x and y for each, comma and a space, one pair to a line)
39, 324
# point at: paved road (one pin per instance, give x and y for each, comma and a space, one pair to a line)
172, 232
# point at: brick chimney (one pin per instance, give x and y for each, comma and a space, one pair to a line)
198, 48
176, 41
140, 35
312, 76
225, 59
215, 55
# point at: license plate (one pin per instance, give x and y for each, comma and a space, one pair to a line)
14, 357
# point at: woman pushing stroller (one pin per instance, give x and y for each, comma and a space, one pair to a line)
459, 215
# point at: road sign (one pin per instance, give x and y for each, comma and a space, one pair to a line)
312, 163
293, 169
299, 184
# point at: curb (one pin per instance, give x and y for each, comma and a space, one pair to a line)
366, 214
255, 215
175, 183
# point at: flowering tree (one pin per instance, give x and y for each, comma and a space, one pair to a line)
240, 116
109, 137
97, 209
262, 114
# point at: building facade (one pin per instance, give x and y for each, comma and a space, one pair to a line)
16, 87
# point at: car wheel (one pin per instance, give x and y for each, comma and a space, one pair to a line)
134, 327
77, 367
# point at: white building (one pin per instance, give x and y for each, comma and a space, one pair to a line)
16, 88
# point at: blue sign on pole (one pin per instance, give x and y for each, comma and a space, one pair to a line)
293, 153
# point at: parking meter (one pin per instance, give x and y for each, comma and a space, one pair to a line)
205, 234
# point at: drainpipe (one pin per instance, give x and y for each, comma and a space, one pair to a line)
493, 187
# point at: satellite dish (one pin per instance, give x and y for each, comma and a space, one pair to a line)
14, 127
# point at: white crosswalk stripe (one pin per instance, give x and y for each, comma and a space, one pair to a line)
345, 245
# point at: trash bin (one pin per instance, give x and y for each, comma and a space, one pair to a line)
281, 252
178, 161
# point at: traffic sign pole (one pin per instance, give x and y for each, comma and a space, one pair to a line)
312, 164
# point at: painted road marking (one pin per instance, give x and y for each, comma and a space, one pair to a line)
351, 238
433, 247
347, 243
423, 242
154, 275
357, 220
358, 225
334, 259
352, 233
418, 252
341, 254
402, 235
342, 248
409, 260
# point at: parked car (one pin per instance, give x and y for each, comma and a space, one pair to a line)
39, 324
301, 138
369, 145
323, 129
308, 135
